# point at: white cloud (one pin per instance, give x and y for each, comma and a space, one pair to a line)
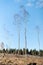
29, 4
17, 0
31, 0
40, 0
39, 3
36, 3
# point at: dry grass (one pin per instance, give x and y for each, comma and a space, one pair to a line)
19, 60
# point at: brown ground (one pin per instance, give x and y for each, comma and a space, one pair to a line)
11, 59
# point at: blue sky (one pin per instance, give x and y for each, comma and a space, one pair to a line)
8, 30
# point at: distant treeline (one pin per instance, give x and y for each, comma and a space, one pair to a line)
22, 51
